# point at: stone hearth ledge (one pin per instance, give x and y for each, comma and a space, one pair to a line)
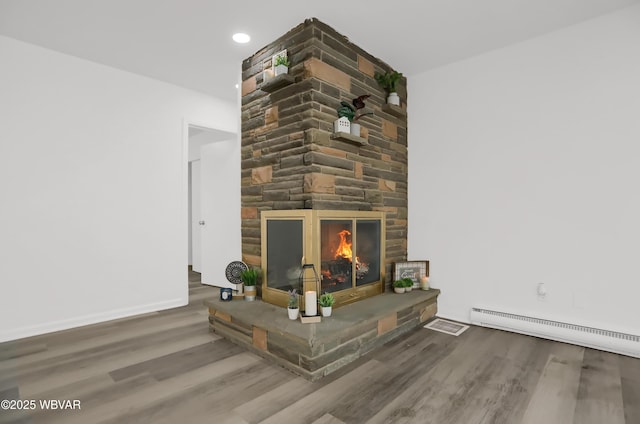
315, 350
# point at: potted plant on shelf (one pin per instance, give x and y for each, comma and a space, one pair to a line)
293, 308
398, 286
326, 301
250, 278
349, 113
281, 65
389, 81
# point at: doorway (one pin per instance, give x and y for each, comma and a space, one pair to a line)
213, 203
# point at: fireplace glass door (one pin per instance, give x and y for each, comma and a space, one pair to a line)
349, 258
346, 248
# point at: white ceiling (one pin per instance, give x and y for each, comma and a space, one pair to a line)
188, 42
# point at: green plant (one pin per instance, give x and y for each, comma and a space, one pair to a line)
408, 282
281, 60
346, 111
388, 80
398, 283
249, 276
293, 299
326, 299
351, 111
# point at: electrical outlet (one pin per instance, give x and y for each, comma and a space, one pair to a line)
542, 291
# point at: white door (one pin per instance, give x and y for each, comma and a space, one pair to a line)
196, 211
220, 205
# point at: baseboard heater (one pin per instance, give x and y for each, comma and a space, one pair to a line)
596, 338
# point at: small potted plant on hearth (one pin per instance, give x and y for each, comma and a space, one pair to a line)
389, 81
250, 278
398, 286
408, 284
293, 308
326, 301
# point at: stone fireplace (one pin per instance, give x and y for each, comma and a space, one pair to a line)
294, 165
314, 196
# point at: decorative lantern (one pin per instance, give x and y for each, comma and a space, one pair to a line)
309, 287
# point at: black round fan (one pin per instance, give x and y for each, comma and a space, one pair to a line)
233, 271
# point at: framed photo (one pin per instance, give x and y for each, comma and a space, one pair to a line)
411, 269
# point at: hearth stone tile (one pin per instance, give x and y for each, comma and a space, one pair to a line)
315, 350
295, 344
285, 353
387, 323
259, 338
313, 364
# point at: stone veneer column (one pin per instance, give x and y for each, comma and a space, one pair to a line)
289, 158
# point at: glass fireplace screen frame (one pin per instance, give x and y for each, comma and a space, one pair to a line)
290, 252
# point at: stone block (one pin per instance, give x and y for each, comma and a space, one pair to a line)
332, 152
248, 86
271, 115
275, 195
353, 192
260, 338
386, 185
223, 316
387, 323
366, 66
319, 183
428, 312
261, 175
389, 129
249, 213
254, 260
315, 68
289, 162
358, 170
318, 158
373, 197
317, 362
314, 135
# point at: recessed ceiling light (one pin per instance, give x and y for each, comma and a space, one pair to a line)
241, 37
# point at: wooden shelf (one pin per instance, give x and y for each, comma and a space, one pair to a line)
394, 110
277, 83
343, 136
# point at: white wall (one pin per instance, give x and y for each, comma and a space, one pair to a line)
93, 179
524, 168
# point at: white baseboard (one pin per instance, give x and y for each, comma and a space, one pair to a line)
66, 324
587, 336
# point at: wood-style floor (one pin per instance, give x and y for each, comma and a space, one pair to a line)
167, 367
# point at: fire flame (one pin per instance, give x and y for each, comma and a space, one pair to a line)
344, 248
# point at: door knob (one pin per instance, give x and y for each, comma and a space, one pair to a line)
201, 222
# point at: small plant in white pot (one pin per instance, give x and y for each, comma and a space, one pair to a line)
352, 112
281, 65
250, 278
389, 81
398, 286
293, 308
408, 284
326, 301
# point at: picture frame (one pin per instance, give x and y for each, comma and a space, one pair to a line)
411, 269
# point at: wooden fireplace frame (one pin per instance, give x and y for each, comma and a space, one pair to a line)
311, 254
